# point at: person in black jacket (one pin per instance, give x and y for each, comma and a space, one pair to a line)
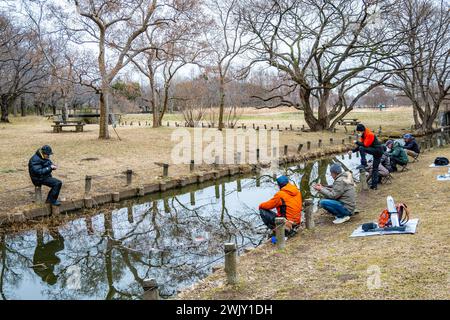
411, 146
40, 168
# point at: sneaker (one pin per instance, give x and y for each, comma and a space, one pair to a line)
56, 203
373, 188
341, 220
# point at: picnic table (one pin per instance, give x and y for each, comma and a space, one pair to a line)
345, 122
59, 124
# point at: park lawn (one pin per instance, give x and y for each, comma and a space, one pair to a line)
392, 120
80, 154
325, 263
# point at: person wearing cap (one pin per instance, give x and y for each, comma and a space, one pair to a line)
287, 202
411, 146
40, 168
340, 198
368, 143
397, 154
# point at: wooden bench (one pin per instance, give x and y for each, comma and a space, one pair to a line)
345, 122
58, 125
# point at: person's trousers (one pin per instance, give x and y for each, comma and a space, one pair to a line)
335, 207
377, 153
412, 153
268, 217
54, 185
394, 162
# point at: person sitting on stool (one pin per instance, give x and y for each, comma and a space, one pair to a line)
397, 154
40, 168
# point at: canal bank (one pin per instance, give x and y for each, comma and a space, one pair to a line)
326, 264
176, 237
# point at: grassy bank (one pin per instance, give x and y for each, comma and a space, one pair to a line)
326, 264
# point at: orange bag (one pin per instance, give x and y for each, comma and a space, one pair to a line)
384, 220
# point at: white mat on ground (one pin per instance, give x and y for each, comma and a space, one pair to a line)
443, 177
435, 166
411, 227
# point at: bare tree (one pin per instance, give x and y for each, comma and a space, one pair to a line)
115, 28
226, 41
22, 64
424, 68
320, 48
174, 44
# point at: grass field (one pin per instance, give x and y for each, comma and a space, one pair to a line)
80, 154
325, 263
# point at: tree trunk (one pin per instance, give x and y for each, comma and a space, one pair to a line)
323, 121
153, 104
22, 106
15, 108
416, 118
222, 101
311, 121
4, 108
104, 92
165, 103
104, 113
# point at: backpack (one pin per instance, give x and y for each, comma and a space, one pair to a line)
385, 217
441, 161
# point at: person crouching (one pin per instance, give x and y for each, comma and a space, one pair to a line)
287, 202
340, 198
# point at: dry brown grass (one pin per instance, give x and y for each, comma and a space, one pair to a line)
138, 149
326, 264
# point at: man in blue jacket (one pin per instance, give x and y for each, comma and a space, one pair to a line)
40, 168
411, 146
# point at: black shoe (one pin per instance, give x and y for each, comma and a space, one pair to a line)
56, 203
373, 187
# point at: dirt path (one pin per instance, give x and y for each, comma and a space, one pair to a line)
326, 264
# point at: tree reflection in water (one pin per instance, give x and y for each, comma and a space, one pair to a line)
173, 239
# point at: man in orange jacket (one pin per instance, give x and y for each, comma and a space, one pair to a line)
368, 144
287, 201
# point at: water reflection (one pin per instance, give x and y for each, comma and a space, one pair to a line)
176, 238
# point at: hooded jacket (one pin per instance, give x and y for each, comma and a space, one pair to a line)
412, 145
398, 153
287, 201
39, 168
343, 190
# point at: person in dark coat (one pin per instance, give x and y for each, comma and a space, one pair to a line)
368, 144
40, 168
411, 146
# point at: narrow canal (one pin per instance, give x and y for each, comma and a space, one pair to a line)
175, 237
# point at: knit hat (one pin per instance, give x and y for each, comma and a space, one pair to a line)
407, 136
389, 142
336, 168
360, 127
282, 181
